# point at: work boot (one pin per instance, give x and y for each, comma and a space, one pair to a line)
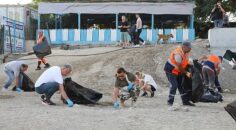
220, 90
47, 65
188, 104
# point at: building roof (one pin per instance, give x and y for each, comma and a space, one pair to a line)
183, 8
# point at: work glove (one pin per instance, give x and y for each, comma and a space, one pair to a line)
69, 103
188, 74
116, 104
130, 86
18, 89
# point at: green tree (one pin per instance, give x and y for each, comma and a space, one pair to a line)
204, 7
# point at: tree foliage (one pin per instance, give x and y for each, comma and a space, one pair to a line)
204, 7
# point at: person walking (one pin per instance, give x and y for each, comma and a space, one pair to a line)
138, 30
42, 38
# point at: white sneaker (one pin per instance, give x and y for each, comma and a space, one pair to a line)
144, 43
4, 89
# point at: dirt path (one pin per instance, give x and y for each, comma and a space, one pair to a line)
25, 111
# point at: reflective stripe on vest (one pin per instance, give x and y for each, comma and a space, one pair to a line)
184, 62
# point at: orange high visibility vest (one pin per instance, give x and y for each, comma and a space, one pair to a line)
214, 59
184, 57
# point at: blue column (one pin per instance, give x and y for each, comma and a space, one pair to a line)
191, 22
117, 26
79, 20
56, 27
152, 27
117, 21
39, 21
152, 21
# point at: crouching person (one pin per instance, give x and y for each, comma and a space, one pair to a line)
13, 70
51, 81
123, 78
147, 83
211, 69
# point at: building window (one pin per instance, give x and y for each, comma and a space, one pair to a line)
171, 21
99, 21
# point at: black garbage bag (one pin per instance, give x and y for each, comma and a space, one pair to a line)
229, 55
27, 84
231, 109
42, 49
193, 86
79, 94
211, 96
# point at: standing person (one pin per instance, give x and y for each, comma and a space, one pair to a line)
211, 70
123, 78
175, 69
42, 38
139, 26
217, 15
124, 31
13, 70
51, 81
147, 83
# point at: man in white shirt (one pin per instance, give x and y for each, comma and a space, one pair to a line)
13, 70
51, 81
139, 26
146, 83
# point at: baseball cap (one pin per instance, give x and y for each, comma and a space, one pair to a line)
187, 44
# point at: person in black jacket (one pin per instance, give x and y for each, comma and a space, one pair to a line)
217, 15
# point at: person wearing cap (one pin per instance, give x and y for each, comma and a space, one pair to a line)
42, 38
13, 70
175, 69
51, 81
211, 70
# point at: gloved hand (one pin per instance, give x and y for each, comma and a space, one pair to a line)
116, 104
18, 89
188, 74
69, 103
130, 86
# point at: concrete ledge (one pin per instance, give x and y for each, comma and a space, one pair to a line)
222, 37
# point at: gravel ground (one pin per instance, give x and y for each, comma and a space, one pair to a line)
25, 111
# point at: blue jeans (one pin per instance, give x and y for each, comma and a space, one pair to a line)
176, 82
48, 89
10, 78
218, 23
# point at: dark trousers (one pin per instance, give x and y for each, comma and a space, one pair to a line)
137, 38
48, 89
176, 82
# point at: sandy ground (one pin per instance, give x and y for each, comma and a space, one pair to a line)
25, 111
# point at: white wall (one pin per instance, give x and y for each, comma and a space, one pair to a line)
222, 37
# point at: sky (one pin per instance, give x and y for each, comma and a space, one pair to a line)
15, 1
